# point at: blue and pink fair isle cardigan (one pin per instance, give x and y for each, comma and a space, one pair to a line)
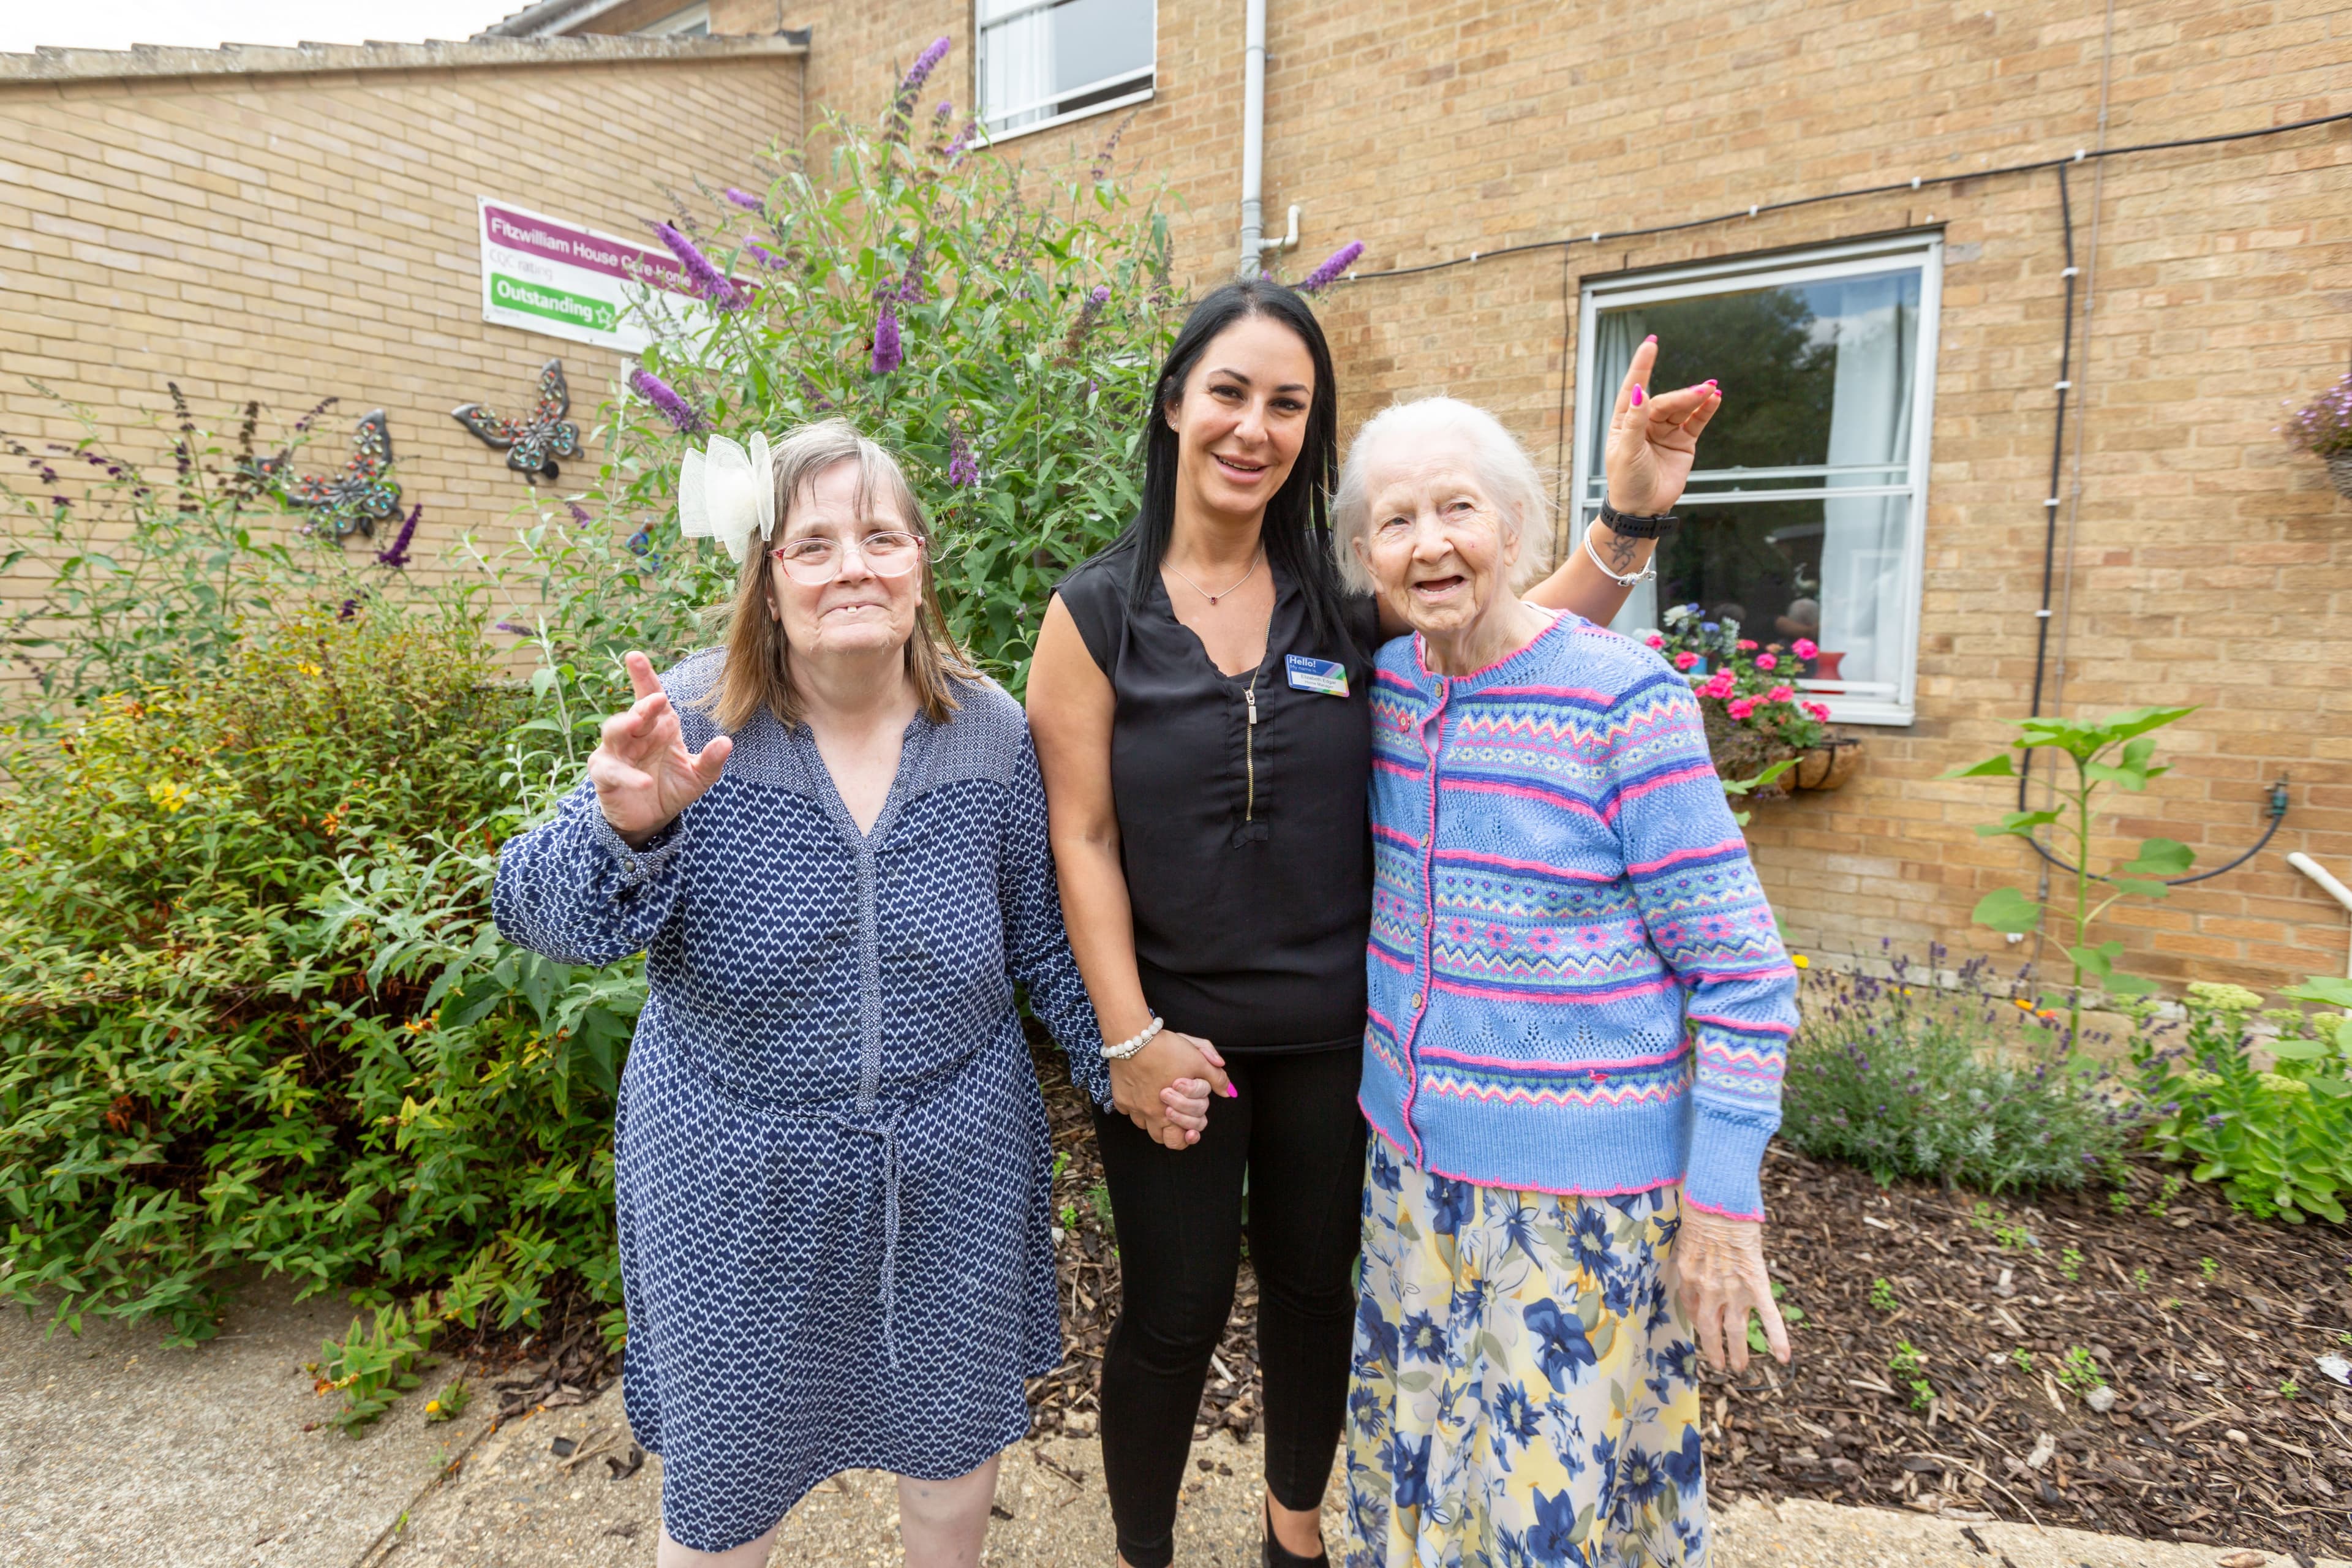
1575, 983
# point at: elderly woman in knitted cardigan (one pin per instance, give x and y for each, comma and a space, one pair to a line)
1579, 1017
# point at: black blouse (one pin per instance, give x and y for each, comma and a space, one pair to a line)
1242, 810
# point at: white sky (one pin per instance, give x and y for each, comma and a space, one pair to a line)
207, 24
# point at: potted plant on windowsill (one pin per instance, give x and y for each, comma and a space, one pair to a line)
1748, 699
2324, 428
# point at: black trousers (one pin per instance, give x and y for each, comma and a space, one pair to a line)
1295, 1131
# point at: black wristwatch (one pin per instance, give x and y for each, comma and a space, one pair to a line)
1626, 525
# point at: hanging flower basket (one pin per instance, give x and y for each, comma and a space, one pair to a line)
1829, 765
2322, 427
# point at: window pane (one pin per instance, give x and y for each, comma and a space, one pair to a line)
1819, 379
1040, 63
1769, 566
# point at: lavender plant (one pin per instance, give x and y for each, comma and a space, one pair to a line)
2323, 425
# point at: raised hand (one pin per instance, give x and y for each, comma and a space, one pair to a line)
1721, 1278
1653, 441
642, 773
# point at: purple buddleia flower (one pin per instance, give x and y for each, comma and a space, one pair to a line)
940, 115
744, 199
1337, 263
767, 258
511, 629
962, 142
1075, 338
395, 555
709, 281
920, 71
887, 354
910, 288
579, 513
963, 468
351, 607
657, 391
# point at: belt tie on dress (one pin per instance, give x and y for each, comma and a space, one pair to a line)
894, 1167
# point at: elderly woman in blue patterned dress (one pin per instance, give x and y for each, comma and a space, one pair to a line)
831, 1155
1579, 1009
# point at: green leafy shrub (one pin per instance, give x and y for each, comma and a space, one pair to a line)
372, 1368
1907, 1079
2279, 1140
211, 1058
999, 327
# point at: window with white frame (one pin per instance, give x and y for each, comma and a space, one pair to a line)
1804, 518
1041, 61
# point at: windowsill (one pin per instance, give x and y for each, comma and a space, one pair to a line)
1142, 95
1873, 711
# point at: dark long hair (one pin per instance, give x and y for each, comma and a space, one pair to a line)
1297, 528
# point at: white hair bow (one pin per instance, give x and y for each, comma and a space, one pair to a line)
724, 492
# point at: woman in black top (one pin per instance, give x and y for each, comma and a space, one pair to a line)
1199, 702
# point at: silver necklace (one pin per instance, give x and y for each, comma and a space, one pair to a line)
1212, 598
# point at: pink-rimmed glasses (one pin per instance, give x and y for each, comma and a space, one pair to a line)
816, 560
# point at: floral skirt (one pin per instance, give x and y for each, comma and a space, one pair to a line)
1525, 1392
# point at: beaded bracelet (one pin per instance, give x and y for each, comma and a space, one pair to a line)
1125, 1049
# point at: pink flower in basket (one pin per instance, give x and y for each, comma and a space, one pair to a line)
1685, 659
1805, 647
1741, 708
1654, 640
1780, 694
1719, 685
1768, 661
1817, 710
1747, 645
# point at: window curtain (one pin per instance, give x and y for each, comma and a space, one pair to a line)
1615, 335
1862, 538
1019, 66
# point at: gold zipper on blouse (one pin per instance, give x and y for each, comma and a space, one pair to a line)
1249, 751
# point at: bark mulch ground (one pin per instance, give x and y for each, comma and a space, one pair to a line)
1951, 1351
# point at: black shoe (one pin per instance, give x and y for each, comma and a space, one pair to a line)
1279, 1556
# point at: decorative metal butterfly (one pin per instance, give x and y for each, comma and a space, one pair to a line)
532, 446
358, 498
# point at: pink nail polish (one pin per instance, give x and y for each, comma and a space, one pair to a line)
1232, 1093
1651, 339
1637, 397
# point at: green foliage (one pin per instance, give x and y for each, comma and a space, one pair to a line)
1909, 1365
450, 1403
2117, 751
1033, 310
2022, 1359
373, 1367
223, 924
1881, 1295
2278, 1139
1790, 1316
2077, 1373
124, 577
2070, 1264
1909, 1080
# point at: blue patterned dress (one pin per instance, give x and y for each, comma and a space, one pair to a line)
831, 1154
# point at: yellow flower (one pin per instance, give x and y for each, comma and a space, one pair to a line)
307, 669
2278, 1083
172, 797
1800, 961
2024, 1005
2224, 998
431, 1407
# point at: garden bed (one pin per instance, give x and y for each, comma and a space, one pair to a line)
2200, 1444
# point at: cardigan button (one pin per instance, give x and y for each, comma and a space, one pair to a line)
1417, 1001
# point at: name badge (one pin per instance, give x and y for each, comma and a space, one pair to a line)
1321, 674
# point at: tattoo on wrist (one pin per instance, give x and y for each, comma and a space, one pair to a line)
1621, 550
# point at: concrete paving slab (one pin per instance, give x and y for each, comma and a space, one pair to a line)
118, 1453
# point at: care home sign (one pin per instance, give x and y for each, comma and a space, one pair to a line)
545, 275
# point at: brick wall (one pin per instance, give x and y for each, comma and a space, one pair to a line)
290, 224
2208, 565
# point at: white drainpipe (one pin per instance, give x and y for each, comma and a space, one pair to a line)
1253, 134
2327, 882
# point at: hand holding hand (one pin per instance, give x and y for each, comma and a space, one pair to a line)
1719, 1279
1164, 1088
1653, 441
642, 773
